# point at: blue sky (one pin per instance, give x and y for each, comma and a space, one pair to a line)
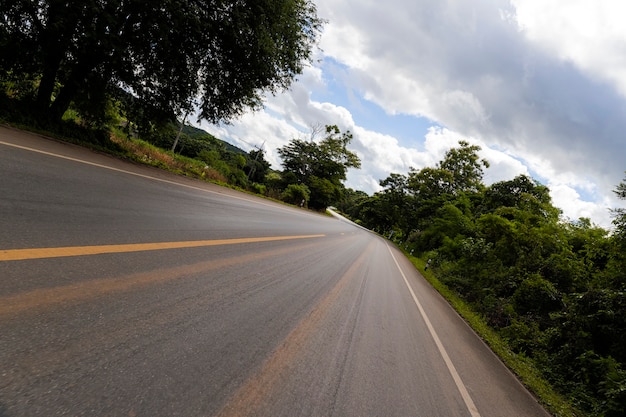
407, 128
540, 85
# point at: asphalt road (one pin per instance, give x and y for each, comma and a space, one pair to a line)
126, 291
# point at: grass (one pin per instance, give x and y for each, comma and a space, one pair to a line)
117, 143
523, 367
146, 153
111, 141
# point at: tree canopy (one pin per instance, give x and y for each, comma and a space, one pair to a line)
322, 166
620, 213
163, 55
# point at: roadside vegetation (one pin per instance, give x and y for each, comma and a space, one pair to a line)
547, 293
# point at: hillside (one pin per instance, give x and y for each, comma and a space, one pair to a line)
197, 133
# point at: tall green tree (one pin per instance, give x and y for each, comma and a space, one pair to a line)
520, 192
257, 166
620, 213
397, 204
459, 173
616, 266
350, 202
166, 54
322, 166
465, 166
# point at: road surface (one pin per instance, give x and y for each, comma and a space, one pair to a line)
126, 291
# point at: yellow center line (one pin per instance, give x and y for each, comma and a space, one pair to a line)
41, 253
82, 291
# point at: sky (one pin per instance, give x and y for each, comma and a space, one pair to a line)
539, 85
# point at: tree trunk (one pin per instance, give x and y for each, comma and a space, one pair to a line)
46, 85
55, 38
63, 100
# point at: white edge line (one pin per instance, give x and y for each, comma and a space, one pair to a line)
82, 161
442, 350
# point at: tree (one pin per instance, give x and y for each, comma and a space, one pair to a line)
460, 171
257, 167
465, 166
296, 194
615, 277
459, 174
322, 166
372, 212
350, 202
620, 213
515, 193
165, 54
397, 203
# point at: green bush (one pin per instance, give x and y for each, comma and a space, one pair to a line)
258, 188
296, 194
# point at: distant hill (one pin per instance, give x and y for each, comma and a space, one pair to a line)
197, 133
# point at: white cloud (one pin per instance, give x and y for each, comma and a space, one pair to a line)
259, 129
574, 208
502, 166
535, 83
589, 33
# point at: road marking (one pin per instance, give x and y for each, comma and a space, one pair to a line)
82, 161
166, 181
43, 298
59, 252
442, 350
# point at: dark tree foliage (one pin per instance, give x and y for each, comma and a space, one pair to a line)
166, 54
257, 167
514, 193
620, 213
615, 278
350, 201
392, 203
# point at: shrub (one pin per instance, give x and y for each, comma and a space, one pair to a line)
296, 194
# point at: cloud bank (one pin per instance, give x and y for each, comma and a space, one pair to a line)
539, 85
